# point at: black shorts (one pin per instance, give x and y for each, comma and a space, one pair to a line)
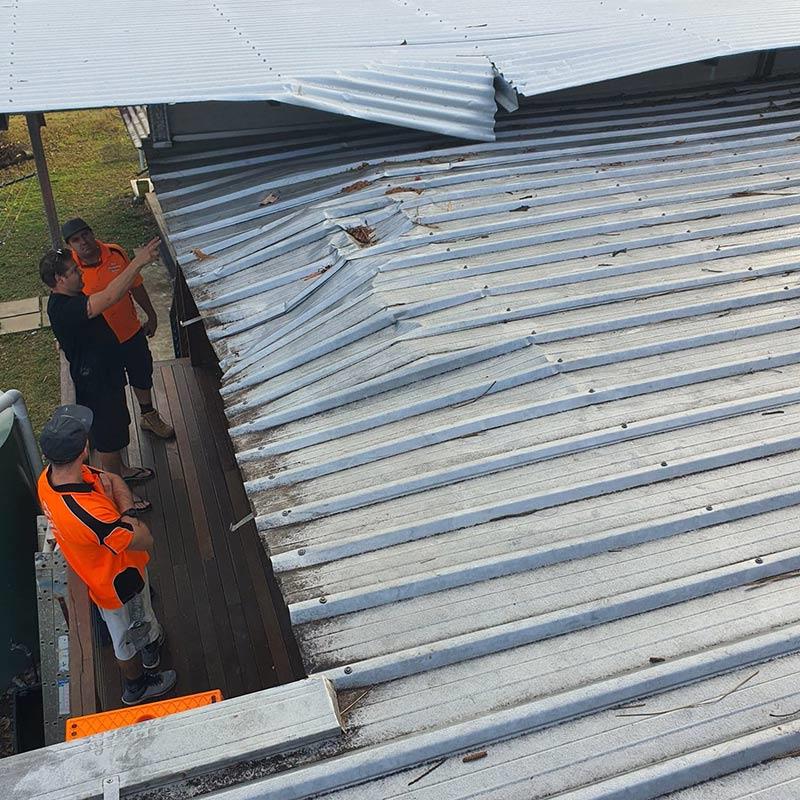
138, 361
110, 426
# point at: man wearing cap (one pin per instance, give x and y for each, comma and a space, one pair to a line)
93, 353
99, 264
106, 547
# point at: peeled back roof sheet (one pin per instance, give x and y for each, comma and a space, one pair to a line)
430, 66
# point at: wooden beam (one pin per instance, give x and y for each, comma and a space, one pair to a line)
35, 123
82, 682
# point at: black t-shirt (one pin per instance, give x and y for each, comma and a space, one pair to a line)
90, 345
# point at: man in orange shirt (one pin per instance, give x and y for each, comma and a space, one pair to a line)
99, 263
106, 547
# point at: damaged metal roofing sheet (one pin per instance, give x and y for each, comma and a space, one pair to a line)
434, 66
520, 423
136, 123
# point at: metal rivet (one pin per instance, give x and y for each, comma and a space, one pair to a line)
759, 561
301, 551
348, 670
323, 600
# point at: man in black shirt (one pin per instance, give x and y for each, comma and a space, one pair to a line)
92, 350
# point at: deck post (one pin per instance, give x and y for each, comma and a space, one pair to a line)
35, 123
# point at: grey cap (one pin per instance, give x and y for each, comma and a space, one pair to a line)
71, 227
65, 434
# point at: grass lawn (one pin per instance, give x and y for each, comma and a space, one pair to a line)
91, 161
29, 362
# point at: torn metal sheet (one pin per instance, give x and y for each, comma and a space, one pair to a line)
525, 457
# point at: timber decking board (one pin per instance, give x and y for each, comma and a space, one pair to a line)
285, 661
211, 589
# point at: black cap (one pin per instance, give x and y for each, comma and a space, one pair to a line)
65, 434
71, 227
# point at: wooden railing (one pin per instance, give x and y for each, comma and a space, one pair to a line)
83, 681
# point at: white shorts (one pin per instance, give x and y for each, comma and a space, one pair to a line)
134, 625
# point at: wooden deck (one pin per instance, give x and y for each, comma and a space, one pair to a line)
213, 589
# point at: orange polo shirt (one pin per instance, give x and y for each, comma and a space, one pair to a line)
121, 317
94, 538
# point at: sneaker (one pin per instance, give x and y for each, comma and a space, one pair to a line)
152, 422
151, 653
153, 684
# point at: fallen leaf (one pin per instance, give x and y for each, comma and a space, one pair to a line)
200, 255
269, 199
474, 756
316, 274
398, 189
363, 234
354, 187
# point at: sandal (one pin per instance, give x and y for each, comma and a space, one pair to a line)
139, 475
139, 507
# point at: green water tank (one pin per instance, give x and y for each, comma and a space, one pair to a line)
18, 543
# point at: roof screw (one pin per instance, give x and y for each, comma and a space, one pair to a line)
624, 424
560, 360
759, 561
508, 309
301, 551
709, 508
286, 513
271, 477
348, 670
591, 391
663, 463
323, 600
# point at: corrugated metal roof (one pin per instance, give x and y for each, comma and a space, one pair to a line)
431, 67
519, 422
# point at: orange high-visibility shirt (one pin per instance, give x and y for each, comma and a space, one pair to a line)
121, 317
94, 538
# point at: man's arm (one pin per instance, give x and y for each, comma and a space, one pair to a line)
141, 296
116, 488
98, 303
142, 538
